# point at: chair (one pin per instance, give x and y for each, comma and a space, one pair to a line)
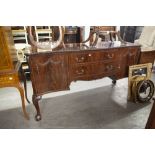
147, 42
22, 47
9, 68
43, 33
19, 34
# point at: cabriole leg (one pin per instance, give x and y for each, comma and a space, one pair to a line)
35, 100
20, 88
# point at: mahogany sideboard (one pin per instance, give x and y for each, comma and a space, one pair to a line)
55, 70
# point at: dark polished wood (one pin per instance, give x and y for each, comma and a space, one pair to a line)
151, 120
55, 70
147, 57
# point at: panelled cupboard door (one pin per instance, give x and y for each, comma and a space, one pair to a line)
5, 59
48, 72
133, 56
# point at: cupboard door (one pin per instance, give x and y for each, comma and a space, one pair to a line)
48, 72
134, 53
5, 59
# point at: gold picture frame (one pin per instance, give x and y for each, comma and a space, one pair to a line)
143, 70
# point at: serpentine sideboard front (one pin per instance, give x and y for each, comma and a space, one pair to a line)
55, 70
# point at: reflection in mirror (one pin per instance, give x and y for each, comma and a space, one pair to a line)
141, 72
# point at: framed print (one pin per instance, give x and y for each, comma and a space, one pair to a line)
142, 70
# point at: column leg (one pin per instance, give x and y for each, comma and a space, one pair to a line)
20, 88
35, 100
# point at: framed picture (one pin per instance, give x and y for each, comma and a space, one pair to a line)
143, 70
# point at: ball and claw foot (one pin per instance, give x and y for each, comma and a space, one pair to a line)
114, 82
38, 117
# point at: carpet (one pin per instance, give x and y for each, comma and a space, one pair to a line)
104, 107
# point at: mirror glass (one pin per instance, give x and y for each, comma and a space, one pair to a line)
141, 72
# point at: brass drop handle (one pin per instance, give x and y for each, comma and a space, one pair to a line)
109, 67
80, 72
119, 67
110, 56
131, 54
81, 59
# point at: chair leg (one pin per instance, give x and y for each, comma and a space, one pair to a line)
20, 88
25, 87
25, 84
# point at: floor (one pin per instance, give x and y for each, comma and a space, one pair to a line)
94, 104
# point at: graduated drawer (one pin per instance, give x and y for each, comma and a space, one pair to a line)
111, 54
84, 70
110, 67
84, 57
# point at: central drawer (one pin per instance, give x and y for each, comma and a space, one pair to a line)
83, 57
84, 69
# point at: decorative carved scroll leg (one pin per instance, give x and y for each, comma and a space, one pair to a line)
114, 80
20, 88
25, 84
35, 102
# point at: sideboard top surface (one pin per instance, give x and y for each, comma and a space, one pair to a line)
83, 47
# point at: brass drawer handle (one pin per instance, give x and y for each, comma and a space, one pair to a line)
110, 56
81, 59
80, 72
110, 67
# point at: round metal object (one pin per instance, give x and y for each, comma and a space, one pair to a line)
144, 91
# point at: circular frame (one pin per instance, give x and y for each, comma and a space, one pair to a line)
141, 87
